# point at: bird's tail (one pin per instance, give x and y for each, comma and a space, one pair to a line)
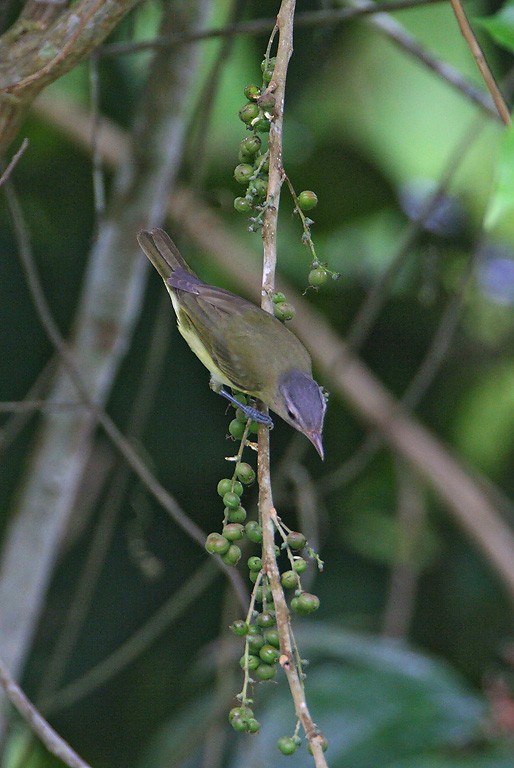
162, 252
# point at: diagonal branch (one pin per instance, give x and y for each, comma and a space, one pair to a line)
67, 35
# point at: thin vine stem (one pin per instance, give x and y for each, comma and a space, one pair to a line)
285, 22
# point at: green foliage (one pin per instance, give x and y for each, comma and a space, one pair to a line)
500, 26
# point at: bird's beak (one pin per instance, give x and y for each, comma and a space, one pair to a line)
315, 438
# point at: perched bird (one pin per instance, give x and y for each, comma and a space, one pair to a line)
242, 346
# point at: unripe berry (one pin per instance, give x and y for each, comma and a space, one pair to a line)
245, 473
236, 429
305, 603
317, 277
239, 627
295, 540
252, 92
231, 500
216, 544
254, 531
235, 515
249, 112
232, 556
250, 145
307, 200
284, 311
286, 745
265, 672
233, 531
242, 205
243, 172
269, 654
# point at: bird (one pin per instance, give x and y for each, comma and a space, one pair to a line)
243, 347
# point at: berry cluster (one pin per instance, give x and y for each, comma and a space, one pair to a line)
253, 167
259, 628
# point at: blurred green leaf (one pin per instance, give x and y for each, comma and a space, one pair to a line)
501, 25
501, 203
377, 700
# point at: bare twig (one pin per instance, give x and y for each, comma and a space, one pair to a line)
13, 161
404, 40
268, 516
474, 46
50, 738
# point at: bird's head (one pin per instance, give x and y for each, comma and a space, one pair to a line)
301, 403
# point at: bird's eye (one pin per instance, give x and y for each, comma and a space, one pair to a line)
291, 414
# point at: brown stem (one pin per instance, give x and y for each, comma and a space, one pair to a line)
476, 50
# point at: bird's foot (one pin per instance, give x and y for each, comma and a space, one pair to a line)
248, 410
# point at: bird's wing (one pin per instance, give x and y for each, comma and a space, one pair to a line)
220, 320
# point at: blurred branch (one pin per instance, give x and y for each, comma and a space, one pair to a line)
308, 19
50, 738
46, 42
106, 316
476, 50
136, 644
404, 40
13, 161
457, 488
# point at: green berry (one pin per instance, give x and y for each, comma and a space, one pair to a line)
253, 576
231, 500
243, 173
254, 563
235, 515
284, 311
249, 112
233, 531
269, 63
250, 145
239, 712
216, 544
305, 603
253, 662
278, 298
242, 205
317, 277
236, 429
262, 125
253, 725
255, 643
252, 92
232, 556
307, 200
265, 671
224, 486
295, 540
245, 472
239, 628
271, 636
286, 745
289, 580
259, 187
269, 654
300, 565
266, 619
254, 531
